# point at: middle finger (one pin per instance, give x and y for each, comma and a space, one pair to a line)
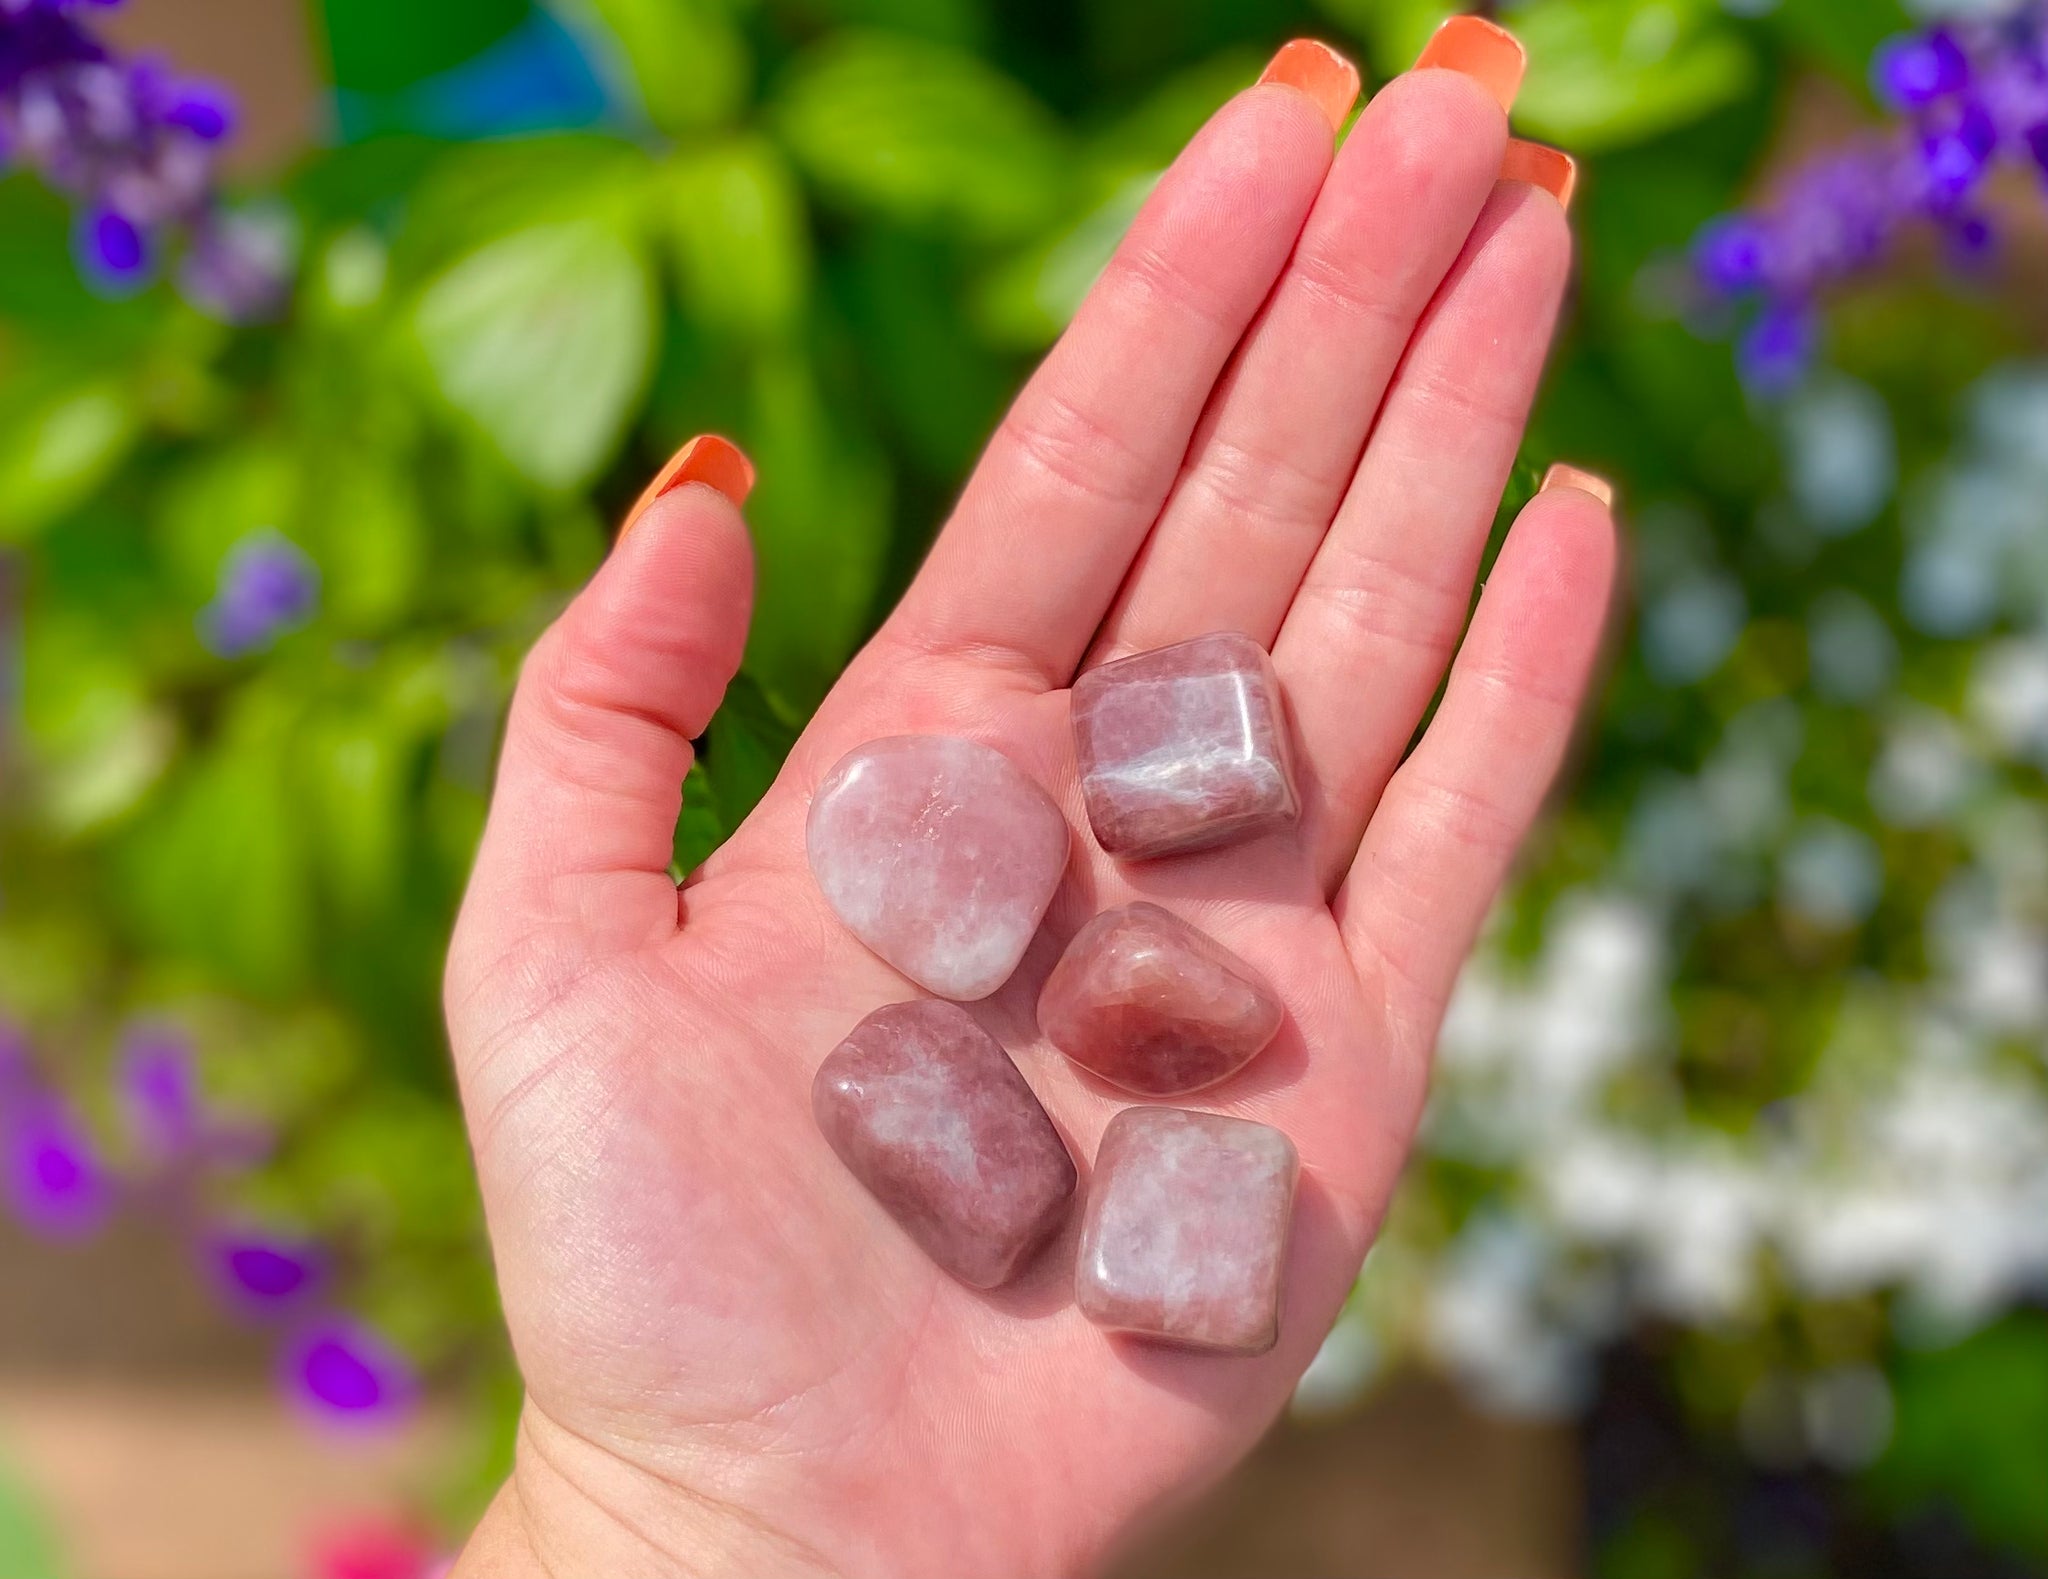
1276, 449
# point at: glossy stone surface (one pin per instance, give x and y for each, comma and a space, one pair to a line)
1184, 748
927, 1111
1151, 1004
940, 855
1186, 1234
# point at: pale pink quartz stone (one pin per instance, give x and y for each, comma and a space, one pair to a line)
927, 1111
1184, 748
940, 855
1150, 1004
1185, 1238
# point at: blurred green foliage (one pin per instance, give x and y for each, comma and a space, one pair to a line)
839, 230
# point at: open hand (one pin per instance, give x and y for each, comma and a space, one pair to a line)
1289, 407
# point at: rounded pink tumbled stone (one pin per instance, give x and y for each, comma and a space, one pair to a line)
1185, 1237
940, 855
926, 1109
1150, 1004
1184, 748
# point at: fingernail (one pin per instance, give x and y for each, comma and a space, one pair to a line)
1321, 73
708, 459
1556, 171
1484, 51
1563, 476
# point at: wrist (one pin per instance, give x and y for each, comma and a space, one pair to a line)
572, 1509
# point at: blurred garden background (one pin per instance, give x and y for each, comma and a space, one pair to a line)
334, 340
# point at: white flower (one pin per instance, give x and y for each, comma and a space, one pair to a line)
2009, 696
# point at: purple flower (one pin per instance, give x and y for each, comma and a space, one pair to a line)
113, 252
1958, 155
267, 588
54, 1177
1916, 70
239, 267
1973, 96
134, 144
159, 1088
1778, 349
344, 1373
1730, 254
263, 1273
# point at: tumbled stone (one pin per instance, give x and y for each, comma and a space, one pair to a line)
927, 1111
1184, 748
1150, 1004
1186, 1234
940, 855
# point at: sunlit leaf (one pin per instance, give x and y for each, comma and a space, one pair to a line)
53, 454
734, 215
924, 134
685, 59
1606, 73
820, 520
543, 340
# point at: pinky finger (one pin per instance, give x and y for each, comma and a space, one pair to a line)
1447, 828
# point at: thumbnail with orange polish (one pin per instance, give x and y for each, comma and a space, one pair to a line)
1484, 51
1320, 72
1563, 476
1552, 169
717, 462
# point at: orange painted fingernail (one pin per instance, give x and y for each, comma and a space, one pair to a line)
709, 459
1484, 51
1321, 73
1563, 476
1556, 171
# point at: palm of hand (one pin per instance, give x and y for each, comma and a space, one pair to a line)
712, 1318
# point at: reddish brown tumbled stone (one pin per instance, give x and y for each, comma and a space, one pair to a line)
1184, 748
1186, 1233
929, 1113
1150, 1004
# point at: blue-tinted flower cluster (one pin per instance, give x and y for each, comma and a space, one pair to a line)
135, 146
62, 1185
1971, 97
268, 587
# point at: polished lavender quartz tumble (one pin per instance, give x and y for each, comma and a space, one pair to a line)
1149, 1003
1185, 1238
1184, 748
929, 1113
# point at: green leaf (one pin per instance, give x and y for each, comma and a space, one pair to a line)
924, 134
1971, 1420
54, 452
27, 1548
1027, 302
699, 829
685, 59
224, 493
485, 190
99, 744
736, 221
217, 874
1607, 73
1394, 30
543, 340
821, 523
745, 747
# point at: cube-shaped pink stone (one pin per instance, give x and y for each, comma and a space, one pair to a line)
1184, 748
929, 1113
1186, 1233
1151, 1004
940, 855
